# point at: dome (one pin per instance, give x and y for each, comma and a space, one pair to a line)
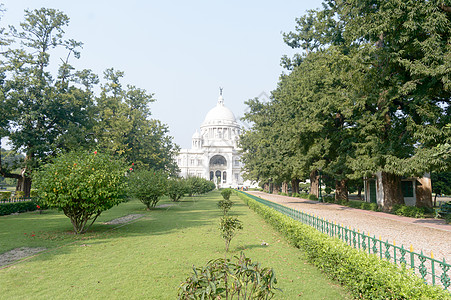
219, 114
196, 135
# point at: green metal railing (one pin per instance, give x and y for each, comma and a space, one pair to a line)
431, 270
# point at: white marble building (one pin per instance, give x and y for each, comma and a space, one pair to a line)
214, 151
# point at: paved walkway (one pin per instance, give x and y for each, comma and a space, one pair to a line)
427, 235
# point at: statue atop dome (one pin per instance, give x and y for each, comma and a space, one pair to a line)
220, 91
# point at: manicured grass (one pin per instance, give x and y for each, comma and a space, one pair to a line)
148, 258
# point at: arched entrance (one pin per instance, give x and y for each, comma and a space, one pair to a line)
218, 167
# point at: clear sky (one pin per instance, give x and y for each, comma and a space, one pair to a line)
181, 51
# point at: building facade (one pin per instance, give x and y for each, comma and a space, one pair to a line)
214, 153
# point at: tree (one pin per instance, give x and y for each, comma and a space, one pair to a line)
124, 126
176, 188
368, 93
82, 185
43, 114
148, 186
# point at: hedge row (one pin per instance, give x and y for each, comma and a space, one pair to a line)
17, 207
365, 275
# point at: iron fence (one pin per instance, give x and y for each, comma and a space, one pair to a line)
18, 199
431, 270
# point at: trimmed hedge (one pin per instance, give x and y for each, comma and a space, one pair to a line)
17, 207
365, 275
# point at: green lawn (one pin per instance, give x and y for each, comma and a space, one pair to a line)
148, 258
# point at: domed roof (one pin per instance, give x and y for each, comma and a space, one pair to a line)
196, 135
219, 114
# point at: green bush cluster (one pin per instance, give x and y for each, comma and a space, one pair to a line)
360, 205
365, 275
410, 211
17, 207
198, 185
150, 185
305, 196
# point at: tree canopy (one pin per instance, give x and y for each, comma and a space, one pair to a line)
368, 92
45, 113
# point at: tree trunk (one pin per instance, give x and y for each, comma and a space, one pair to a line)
341, 190
276, 189
359, 192
391, 184
423, 191
285, 187
314, 183
295, 186
24, 185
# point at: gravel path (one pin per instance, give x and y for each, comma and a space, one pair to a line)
423, 234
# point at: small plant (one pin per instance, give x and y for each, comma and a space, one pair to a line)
224, 279
225, 205
229, 226
226, 193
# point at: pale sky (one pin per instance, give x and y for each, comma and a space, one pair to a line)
181, 51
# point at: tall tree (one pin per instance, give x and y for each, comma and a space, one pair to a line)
42, 111
125, 128
397, 82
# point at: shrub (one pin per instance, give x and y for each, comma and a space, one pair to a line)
329, 199
408, 211
226, 193
33, 193
448, 218
176, 188
312, 197
19, 194
148, 186
225, 205
5, 195
198, 185
82, 185
229, 226
222, 278
364, 274
17, 207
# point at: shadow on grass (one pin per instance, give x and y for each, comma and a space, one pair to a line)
53, 229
